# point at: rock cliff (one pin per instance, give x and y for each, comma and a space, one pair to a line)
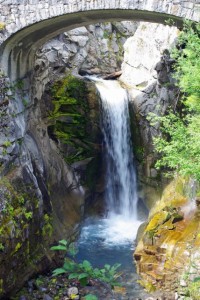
50, 146
167, 255
43, 181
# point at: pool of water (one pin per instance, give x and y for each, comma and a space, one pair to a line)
110, 241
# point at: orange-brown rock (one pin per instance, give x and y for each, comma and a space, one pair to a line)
170, 238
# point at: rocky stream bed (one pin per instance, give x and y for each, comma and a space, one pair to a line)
60, 288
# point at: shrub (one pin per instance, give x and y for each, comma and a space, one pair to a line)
179, 142
84, 271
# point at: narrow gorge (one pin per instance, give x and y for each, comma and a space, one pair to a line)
79, 153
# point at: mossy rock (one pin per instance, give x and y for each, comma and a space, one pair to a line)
72, 124
21, 231
158, 219
174, 195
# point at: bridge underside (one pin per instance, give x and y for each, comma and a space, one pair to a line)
18, 51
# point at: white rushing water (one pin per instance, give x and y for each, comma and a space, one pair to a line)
119, 228
111, 239
121, 191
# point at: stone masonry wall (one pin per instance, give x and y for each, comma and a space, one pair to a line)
35, 22
19, 14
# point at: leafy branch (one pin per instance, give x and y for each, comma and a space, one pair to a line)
179, 142
84, 272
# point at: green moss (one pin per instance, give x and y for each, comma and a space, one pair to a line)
70, 116
158, 219
147, 285
17, 247
13, 207
21, 223
67, 94
28, 215
1, 247
47, 229
16, 213
7, 144
106, 34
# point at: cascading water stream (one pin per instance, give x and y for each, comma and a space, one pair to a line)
121, 190
111, 239
120, 225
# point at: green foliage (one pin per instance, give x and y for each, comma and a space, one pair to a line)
18, 207
1, 247
7, 144
179, 142
62, 246
70, 116
28, 215
90, 297
19, 84
194, 290
14, 204
188, 59
39, 281
67, 93
107, 35
170, 22
47, 229
191, 277
84, 271
66, 246
25, 102
151, 234
196, 279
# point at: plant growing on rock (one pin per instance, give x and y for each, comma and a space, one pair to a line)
190, 282
70, 117
179, 143
84, 271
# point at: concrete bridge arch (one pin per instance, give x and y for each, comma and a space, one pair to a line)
27, 24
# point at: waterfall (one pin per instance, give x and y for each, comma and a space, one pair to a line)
121, 190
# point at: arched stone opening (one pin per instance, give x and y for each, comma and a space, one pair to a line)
20, 48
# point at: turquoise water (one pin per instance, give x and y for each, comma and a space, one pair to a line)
103, 241
112, 240
106, 241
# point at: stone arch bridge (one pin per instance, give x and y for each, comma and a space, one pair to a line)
26, 24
